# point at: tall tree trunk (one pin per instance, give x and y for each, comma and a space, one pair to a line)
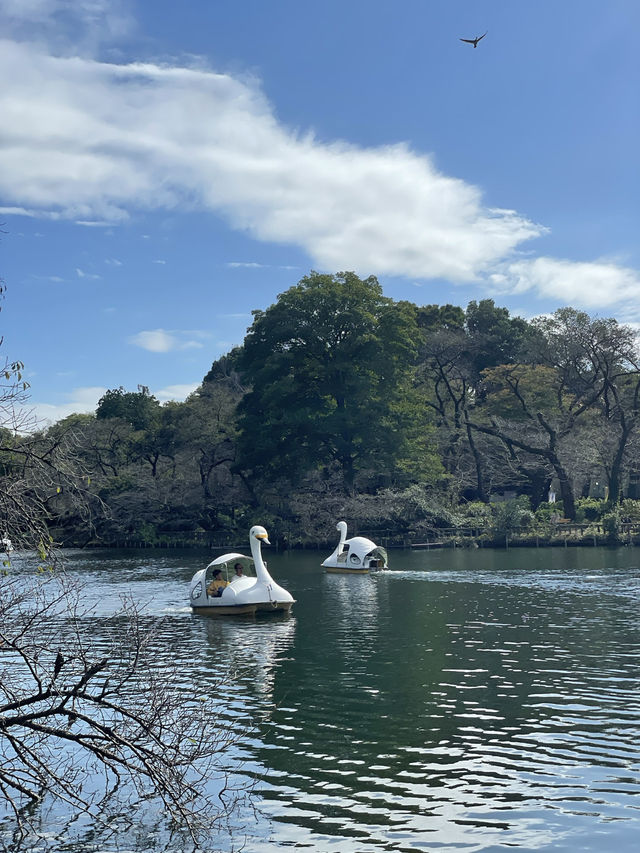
481, 486
566, 489
615, 473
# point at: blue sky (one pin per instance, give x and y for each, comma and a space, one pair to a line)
168, 167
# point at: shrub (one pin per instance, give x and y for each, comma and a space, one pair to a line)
630, 510
511, 515
589, 509
545, 511
611, 525
475, 513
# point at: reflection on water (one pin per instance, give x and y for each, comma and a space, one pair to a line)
468, 708
465, 700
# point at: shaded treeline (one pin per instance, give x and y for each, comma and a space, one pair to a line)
344, 403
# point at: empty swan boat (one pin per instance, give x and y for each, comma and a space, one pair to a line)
356, 556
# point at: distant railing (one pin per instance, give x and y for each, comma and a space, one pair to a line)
561, 532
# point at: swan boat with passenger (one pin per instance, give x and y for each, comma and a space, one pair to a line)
234, 584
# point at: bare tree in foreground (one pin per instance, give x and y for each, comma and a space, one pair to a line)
88, 718
84, 719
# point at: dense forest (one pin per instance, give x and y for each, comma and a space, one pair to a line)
344, 403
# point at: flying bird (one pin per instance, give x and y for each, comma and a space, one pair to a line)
475, 41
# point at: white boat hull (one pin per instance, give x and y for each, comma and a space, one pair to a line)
242, 609
248, 591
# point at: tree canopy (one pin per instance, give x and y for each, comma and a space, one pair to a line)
330, 369
339, 394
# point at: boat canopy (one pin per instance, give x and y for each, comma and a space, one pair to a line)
361, 552
226, 563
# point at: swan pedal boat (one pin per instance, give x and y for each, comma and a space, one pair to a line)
254, 592
356, 556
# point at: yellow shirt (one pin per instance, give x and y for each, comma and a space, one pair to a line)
215, 585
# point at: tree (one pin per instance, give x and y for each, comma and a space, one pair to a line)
582, 366
139, 408
330, 369
619, 424
497, 338
527, 412
142, 413
95, 727
74, 711
599, 363
208, 432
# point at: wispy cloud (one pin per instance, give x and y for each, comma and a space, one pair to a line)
110, 138
34, 214
162, 341
56, 279
82, 274
79, 400
93, 223
92, 142
590, 285
176, 393
257, 266
82, 23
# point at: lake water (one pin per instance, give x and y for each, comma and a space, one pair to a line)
465, 700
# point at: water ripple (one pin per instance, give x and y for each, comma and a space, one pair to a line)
466, 701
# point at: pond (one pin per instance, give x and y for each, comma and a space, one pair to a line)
464, 700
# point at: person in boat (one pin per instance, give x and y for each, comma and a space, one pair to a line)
238, 570
217, 584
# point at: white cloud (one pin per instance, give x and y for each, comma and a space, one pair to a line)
590, 285
78, 401
257, 266
90, 141
82, 274
177, 393
56, 279
22, 211
160, 340
155, 341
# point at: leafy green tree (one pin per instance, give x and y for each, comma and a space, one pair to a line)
457, 346
441, 317
523, 405
139, 408
208, 431
330, 369
583, 364
598, 361
141, 411
497, 338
